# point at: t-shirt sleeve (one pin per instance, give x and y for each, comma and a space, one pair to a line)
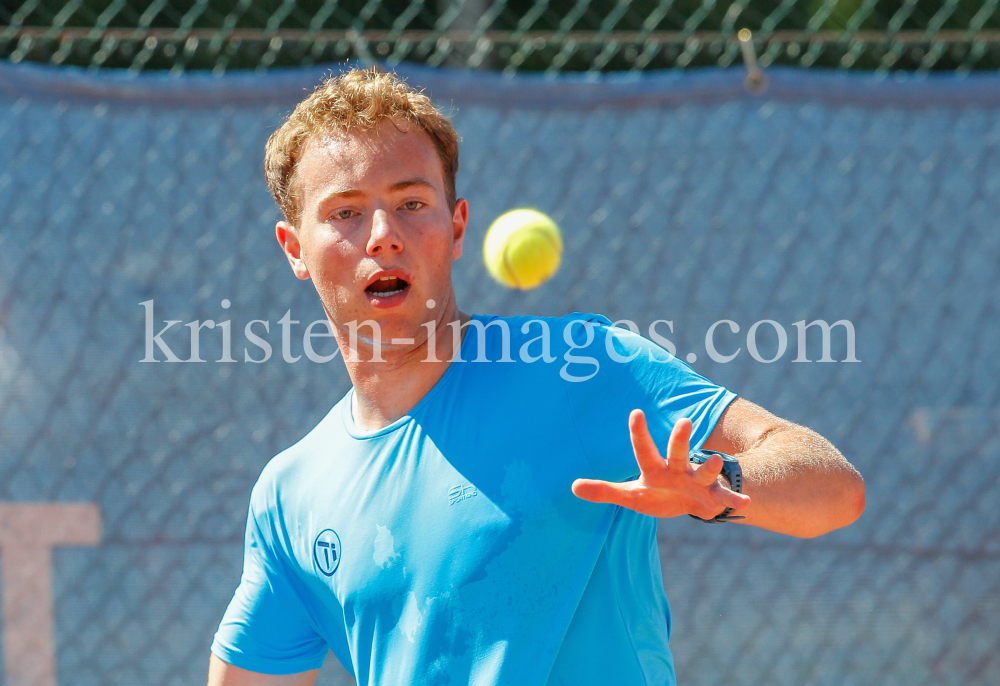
266, 627
635, 373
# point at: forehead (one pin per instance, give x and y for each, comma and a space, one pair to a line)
357, 159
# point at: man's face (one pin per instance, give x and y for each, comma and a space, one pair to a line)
376, 235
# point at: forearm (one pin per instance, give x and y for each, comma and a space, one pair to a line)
794, 481
799, 484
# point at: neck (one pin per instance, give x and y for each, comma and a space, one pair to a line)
386, 390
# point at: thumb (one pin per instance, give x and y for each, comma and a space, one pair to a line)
595, 491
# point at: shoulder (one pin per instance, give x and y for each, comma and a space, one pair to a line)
516, 321
579, 332
572, 325
294, 465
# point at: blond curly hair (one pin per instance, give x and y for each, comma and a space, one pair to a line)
356, 100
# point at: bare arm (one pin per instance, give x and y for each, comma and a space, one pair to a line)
794, 481
798, 483
224, 674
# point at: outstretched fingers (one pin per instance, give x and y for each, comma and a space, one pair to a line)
597, 491
723, 496
643, 445
666, 487
706, 473
679, 446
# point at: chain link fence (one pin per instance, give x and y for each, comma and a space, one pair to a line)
681, 197
550, 36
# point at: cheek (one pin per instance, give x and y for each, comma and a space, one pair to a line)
439, 238
331, 261
436, 248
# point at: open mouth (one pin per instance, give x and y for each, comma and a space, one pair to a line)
386, 286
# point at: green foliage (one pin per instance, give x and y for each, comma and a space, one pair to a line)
513, 35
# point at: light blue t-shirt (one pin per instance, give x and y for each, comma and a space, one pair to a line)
447, 547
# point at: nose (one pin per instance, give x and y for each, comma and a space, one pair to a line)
385, 237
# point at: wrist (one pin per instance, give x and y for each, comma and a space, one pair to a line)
730, 478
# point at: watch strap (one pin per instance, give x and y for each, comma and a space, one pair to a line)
731, 470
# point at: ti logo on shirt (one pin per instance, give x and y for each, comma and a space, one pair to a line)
326, 552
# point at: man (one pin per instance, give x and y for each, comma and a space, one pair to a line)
472, 512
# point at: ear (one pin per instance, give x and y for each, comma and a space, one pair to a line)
459, 220
289, 242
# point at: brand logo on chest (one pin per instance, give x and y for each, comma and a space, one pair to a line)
326, 552
460, 493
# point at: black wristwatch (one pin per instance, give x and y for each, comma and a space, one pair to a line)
730, 470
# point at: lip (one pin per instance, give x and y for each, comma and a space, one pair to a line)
387, 302
398, 273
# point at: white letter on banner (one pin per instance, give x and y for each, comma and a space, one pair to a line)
286, 337
546, 355
376, 340
151, 339
257, 340
481, 341
609, 340
660, 340
568, 337
307, 342
196, 327
826, 329
710, 341
752, 340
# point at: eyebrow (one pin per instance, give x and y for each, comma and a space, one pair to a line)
415, 181
355, 192
342, 193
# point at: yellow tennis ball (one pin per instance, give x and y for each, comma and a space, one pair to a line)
522, 248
